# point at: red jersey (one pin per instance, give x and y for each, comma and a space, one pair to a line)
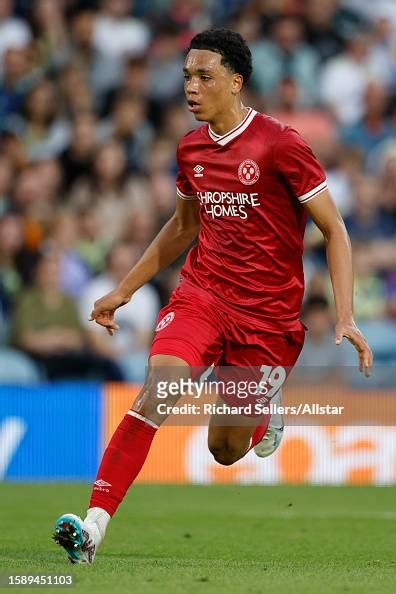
251, 184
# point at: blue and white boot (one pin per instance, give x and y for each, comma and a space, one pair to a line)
273, 436
77, 538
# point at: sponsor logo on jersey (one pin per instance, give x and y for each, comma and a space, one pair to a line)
165, 321
198, 170
248, 172
230, 204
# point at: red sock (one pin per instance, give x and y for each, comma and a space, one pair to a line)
122, 461
259, 432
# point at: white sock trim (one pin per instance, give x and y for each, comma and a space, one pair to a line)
142, 418
100, 518
99, 511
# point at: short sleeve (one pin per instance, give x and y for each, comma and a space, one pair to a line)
298, 166
183, 187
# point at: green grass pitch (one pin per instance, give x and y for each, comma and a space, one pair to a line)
215, 539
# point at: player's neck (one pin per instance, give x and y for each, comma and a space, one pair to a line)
229, 120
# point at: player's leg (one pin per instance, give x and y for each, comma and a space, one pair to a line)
272, 437
130, 443
263, 357
121, 462
228, 444
288, 352
185, 337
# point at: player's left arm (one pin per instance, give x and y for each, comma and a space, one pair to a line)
326, 216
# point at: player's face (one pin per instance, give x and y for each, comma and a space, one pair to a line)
209, 86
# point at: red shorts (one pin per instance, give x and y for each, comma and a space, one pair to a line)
196, 327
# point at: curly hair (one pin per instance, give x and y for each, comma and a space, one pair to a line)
230, 45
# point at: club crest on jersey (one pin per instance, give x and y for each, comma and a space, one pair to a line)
166, 320
248, 172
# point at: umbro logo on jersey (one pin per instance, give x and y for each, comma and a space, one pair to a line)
198, 171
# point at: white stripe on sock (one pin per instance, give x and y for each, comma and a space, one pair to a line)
142, 418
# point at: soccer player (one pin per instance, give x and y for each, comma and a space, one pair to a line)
245, 186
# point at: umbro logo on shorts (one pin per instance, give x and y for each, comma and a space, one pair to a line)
165, 321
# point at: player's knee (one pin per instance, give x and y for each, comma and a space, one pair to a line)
226, 453
146, 402
163, 370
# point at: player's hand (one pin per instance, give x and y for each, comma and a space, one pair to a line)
355, 337
104, 309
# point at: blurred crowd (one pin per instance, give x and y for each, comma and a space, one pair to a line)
91, 110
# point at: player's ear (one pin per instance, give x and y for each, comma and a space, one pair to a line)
237, 83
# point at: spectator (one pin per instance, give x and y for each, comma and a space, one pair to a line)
16, 80
384, 38
62, 239
50, 34
11, 241
370, 289
314, 124
110, 191
345, 78
189, 16
6, 177
135, 82
141, 225
329, 24
176, 121
116, 36
387, 182
374, 128
166, 67
36, 196
43, 133
16, 367
84, 62
162, 156
28, 199
319, 361
46, 326
286, 55
91, 246
14, 33
335, 158
128, 125
136, 77
129, 346
77, 159
82, 52
12, 147
77, 96
366, 221
380, 10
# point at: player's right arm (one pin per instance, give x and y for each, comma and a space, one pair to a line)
173, 239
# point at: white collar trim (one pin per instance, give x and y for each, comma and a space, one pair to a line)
231, 134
